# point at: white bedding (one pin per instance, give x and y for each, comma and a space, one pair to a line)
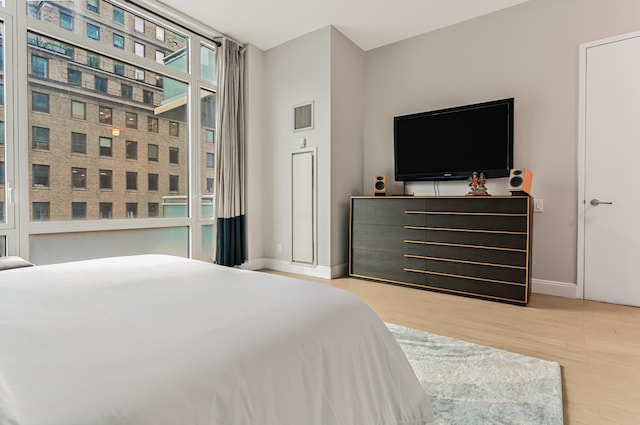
155, 340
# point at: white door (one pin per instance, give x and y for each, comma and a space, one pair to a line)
612, 172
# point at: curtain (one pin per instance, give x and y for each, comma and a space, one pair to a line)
230, 167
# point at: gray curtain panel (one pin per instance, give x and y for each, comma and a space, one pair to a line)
230, 172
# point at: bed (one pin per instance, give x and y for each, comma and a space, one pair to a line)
155, 340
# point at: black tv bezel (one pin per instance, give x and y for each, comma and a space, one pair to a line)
458, 174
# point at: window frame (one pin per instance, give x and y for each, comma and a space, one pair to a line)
105, 179
39, 143
75, 142
41, 176
105, 150
82, 117
33, 102
78, 178
93, 31
189, 179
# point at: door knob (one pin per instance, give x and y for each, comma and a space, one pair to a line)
596, 202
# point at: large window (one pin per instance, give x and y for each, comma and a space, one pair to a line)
108, 87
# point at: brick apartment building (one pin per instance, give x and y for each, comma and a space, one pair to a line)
108, 139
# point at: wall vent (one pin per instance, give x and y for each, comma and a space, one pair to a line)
303, 116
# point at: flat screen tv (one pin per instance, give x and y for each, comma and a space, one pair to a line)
452, 143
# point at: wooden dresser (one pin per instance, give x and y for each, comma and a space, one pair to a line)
477, 246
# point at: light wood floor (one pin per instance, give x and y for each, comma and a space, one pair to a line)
596, 344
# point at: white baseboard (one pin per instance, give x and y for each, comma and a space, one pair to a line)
558, 289
323, 272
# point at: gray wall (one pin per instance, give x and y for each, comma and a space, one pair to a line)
294, 73
347, 95
255, 140
529, 52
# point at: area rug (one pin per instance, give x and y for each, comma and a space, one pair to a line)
472, 384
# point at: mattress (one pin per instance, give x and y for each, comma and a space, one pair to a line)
162, 340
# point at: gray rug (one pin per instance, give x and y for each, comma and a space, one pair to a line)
472, 384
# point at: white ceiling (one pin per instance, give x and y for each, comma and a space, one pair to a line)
368, 23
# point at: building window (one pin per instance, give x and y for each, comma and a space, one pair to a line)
118, 41
93, 32
93, 61
106, 210
132, 149
40, 175
132, 210
152, 125
159, 56
138, 49
66, 21
126, 91
173, 183
139, 75
160, 33
118, 68
40, 211
74, 77
1, 172
106, 179
138, 24
93, 6
152, 209
1, 133
118, 15
39, 66
101, 84
78, 143
173, 155
153, 181
78, 178
210, 185
40, 137
39, 102
132, 180
174, 128
78, 110
78, 210
131, 120
105, 146
211, 160
105, 115
210, 136
147, 96
153, 153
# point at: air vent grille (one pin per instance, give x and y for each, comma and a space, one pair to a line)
303, 116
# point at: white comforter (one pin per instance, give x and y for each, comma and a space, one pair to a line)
155, 340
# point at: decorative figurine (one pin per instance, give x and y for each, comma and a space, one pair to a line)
477, 184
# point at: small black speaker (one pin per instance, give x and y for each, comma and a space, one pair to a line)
380, 186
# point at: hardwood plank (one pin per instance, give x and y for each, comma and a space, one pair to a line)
596, 344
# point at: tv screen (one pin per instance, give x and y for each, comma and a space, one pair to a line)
452, 143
